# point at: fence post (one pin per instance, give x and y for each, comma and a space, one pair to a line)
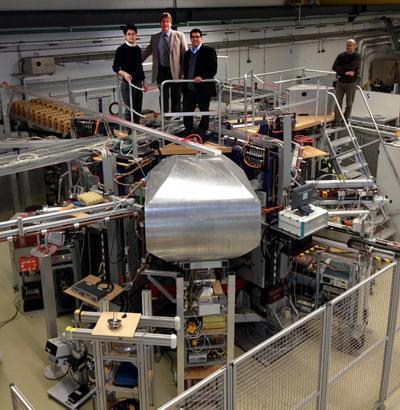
231, 385
390, 335
325, 357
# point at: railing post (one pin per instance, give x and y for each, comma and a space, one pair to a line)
219, 113
253, 101
245, 97
317, 102
231, 386
5, 113
325, 357
390, 335
130, 100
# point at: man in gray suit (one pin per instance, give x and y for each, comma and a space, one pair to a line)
167, 49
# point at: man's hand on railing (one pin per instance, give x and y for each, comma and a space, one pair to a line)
197, 79
126, 76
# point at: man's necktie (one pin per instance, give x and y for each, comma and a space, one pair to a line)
166, 50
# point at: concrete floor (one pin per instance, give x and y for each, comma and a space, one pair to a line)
23, 360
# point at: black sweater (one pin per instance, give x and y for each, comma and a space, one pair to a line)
347, 62
129, 59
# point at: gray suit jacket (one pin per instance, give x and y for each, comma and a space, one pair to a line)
177, 50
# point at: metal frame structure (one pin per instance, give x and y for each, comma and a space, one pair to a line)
144, 341
19, 401
277, 87
230, 327
149, 132
191, 114
317, 337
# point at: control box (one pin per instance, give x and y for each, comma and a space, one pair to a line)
303, 225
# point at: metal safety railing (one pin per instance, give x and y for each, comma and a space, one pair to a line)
343, 355
18, 400
210, 393
8, 93
277, 88
191, 114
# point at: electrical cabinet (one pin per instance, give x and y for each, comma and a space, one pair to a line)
27, 278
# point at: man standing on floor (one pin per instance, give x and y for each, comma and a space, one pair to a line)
128, 65
199, 63
346, 65
167, 49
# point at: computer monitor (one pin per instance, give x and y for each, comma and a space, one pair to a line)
302, 197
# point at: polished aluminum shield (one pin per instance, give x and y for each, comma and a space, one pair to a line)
200, 209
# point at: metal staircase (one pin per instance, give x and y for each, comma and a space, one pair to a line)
348, 161
345, 152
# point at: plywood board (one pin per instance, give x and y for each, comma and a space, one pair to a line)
129, 323
312, 152
94, 280
174, 149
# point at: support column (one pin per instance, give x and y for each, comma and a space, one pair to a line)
44, 254
180, 349
284, 165
390, 333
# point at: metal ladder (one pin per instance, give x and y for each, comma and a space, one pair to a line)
345, 152
343, 145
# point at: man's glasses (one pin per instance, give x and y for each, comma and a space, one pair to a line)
195, 36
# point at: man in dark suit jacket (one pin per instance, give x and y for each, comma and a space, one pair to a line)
199, 63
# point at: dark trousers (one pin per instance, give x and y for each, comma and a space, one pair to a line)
348, 90
190, 100
169, 90
137, 100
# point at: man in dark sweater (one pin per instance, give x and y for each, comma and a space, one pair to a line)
128, 65
199, 63
346, 65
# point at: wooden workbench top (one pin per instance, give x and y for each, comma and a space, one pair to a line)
302, 123
174, 149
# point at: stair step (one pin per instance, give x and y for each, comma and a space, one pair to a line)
333, 130
385, 233
381, 219
353, 175
341, 141
352, 167
347, 154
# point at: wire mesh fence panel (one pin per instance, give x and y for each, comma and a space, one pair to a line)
282, 373
311, 405
359, 326
394, 380
209, 394
18, 400
358, 389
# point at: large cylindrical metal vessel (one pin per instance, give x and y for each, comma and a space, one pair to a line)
200, 209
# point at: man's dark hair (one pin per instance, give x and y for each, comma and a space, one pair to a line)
128, 27
196, 30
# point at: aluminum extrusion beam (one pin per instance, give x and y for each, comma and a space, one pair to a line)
73, 222
166, 322
151, 339
346, 183
350, 212
33, 159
